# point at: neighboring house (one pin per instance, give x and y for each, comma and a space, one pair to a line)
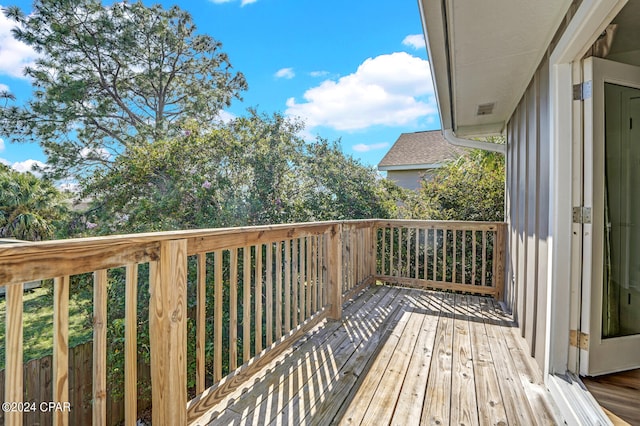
416, 155
535, 72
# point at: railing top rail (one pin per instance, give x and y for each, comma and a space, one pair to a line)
449, 224
29, 261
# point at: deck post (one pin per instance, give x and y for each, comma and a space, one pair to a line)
335, 271
499, 260
168, 334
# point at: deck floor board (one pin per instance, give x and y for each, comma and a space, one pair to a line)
399, 356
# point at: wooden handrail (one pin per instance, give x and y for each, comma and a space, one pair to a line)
273, 282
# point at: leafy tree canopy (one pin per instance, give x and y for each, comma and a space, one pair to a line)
30, 207
114, 78
252, 170
470, 188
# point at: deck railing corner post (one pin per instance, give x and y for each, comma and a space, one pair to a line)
168, 333
335, 271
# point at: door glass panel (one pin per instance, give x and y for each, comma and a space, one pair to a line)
621, 295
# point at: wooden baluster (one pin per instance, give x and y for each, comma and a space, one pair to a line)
168, 333
435, 253
100, 283
499, 259
335, 272
13, 379
426, 254
474, 256
391, 235
131, 345
445, 235
383, 252
217, 315
246, 304
484, 258
201, 318
455, 255
303, 280
258, 254
416, 263
308, 275
61, 347
408, 256
399, 256
464, 256
296, 281
269, 290
314, 271
278, 290
287, 286
233, 311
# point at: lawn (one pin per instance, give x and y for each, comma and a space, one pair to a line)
38, 323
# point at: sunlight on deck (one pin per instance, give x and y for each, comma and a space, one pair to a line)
399, 356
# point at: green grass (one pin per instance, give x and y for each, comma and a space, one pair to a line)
38, 324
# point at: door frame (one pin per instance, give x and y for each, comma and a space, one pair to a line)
565, 248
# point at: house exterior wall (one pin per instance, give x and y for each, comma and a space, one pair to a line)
409, 179
527, 192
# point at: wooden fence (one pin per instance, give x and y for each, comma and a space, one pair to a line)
37, 378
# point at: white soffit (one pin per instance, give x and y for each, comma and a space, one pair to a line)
486, 52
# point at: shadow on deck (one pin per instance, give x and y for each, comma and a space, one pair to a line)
399, 356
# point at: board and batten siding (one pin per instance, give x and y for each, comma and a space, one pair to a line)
527, 214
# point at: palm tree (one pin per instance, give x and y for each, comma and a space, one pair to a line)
29, 206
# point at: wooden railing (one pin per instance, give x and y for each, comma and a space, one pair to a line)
443, 255
257, 290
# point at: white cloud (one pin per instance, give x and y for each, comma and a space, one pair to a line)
391, 90
319, 73
225, 116
4, 88
415, 40
242, 3
5, 162
285, 73
362, 147
15, 54
27, 166
1, 144
95, 153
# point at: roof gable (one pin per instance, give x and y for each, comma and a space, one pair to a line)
420, 149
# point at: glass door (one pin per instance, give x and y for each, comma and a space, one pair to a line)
610, 317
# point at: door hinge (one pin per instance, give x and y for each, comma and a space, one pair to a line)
582, 215
582, 91
578, 339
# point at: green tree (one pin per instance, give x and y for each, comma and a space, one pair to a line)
470, 188
30, 207
252, 170
110, 79
337, 187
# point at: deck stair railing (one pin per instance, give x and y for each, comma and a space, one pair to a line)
255, 291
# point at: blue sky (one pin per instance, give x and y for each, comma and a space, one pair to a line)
352, 70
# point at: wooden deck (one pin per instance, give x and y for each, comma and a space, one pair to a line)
399, 356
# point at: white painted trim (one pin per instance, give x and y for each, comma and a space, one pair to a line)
416, 167
590, 19
451, 137
576, 404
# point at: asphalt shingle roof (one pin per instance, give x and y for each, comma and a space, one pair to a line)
420, 148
